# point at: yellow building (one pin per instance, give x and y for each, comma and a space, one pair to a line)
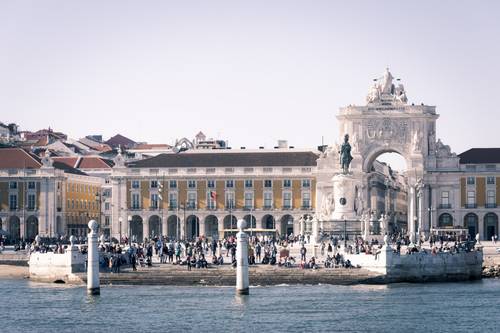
204, 193
42, 197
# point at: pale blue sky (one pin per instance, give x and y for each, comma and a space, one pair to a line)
252, 72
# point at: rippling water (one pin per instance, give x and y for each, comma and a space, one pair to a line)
446, 307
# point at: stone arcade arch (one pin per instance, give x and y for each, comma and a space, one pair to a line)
445, 220
230, 222
286, 225
268, 222
154, 226
471, 222
490, 225
251, 221
172, 230
14, 228
31, 227
212, 227
136, 229
192, 227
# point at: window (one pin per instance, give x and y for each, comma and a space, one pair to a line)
31, 201
172, 184
248, 200
306, 200
106, 221
445, 198
136, 184
13, 185
471, 198
268, 183
268, 200
211, 183
73, 204
154, 201
471, 180
191, 202
229, 200
248, 183
211, 196
306, 183
172, 200
287, 183
490, 197
69, 204
13, 201
229, 183
490, 180
287, 200
31, 185
154, 184
136, 201
191, 183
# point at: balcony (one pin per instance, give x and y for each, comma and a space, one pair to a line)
306, 207
286, 207
471, 205
247, 208
490, 205
267, 207
445, 206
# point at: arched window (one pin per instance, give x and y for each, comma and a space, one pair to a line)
445, 220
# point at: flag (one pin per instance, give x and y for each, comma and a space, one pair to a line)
213, 194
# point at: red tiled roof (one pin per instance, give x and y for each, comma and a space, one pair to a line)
17, 158
85, 162
93, 163
69, 161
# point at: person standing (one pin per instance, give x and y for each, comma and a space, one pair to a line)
303, 252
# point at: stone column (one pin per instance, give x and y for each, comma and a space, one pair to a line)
145, 228
411, 213
164, 224
242, 280
420, 211
93, 286
314, 233
202, 231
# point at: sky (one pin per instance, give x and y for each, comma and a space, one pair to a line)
250, 72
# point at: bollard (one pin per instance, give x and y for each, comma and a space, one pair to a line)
93, 287
242, 283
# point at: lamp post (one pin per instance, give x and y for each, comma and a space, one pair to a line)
129, 219
120, 220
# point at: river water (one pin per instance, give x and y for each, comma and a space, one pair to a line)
439, 307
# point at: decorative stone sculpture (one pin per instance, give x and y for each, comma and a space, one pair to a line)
345, 155
327, 206
417, 142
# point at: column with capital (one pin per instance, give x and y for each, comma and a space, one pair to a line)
411, 213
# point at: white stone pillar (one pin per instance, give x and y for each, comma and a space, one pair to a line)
164, 224
93, 287
420, 212
411, 213
242, 279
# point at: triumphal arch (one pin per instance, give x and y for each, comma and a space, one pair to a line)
387, 123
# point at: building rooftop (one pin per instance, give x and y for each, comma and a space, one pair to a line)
480, 156
226, 158
17, 158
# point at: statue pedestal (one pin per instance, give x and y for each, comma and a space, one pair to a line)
344, 193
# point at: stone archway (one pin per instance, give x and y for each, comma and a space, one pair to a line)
286, 225
471, 222
136, 229
173, 222
192, 227
230, 222
31, 228
14, 228
445, 220
490, 225
154, 226
268, 222
251, 221
212, 227
386, 124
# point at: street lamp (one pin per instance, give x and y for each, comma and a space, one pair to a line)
120, 220
129, 219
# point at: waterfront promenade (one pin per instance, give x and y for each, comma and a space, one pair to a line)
13, 265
